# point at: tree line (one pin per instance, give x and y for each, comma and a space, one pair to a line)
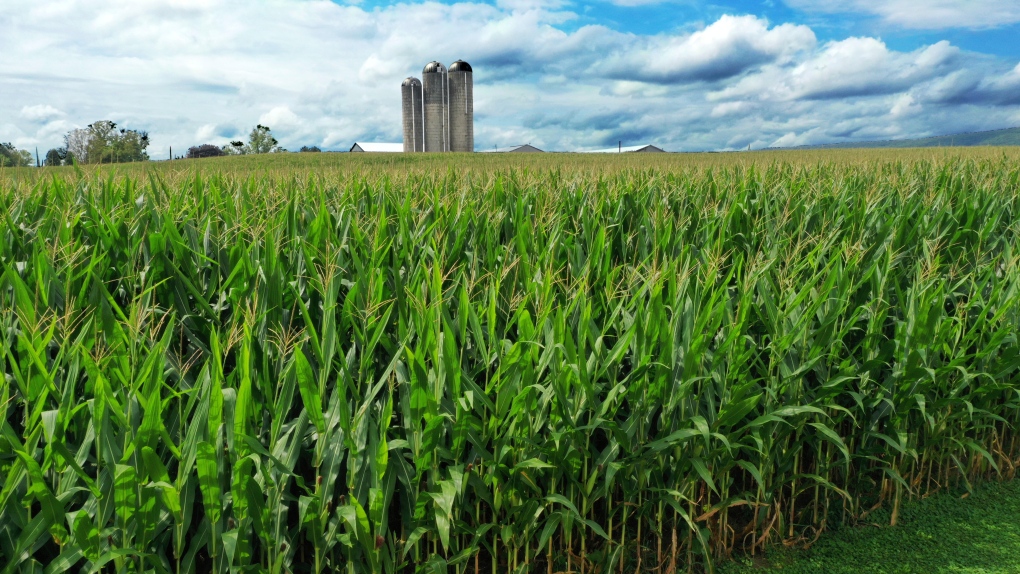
260, 140
103, 142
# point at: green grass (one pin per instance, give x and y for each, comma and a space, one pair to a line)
941, 534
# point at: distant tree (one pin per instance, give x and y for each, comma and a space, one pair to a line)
11, 156
101, 142
313, 148
127, 146
76, 142
101, 136
56, 156
234, 148
204, 150
261, 140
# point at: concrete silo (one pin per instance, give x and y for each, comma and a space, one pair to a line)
462, 107
414, 123
435, 82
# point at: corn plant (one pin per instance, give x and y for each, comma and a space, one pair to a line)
511, 367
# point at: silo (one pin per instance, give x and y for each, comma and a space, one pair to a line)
462, 107
437, 107
414, 124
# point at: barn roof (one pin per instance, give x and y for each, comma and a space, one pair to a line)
373, 147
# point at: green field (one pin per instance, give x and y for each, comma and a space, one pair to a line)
461, 363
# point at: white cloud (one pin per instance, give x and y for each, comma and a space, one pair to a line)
726, 48
731, 109
40, 113
925, 14
280, 118
319, 73
855, 67
904, 106
207, 133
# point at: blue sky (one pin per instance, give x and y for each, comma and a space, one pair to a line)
994, 38
563, 75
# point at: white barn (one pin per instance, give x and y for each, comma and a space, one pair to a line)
378, 147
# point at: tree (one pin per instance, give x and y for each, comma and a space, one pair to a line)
261, 140
101, 142
234, 148
11, 156
57, 156
313, 148
127, 146
77, 144
205, 150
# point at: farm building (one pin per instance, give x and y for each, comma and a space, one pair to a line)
625, 149
438, 110
378, 147
526, 148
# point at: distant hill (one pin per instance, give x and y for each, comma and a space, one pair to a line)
1007, 137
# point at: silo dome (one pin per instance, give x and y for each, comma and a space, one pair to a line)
412, 82
433, 68
460, 66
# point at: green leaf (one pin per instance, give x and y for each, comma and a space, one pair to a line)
125, 492
309, 389
209, 481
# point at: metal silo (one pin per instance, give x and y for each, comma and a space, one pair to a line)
462, 107
414, 124
435, 84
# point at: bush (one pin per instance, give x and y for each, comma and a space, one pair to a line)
204, 150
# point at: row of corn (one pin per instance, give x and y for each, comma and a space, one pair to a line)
506, 370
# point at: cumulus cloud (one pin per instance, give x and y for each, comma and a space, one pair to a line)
281, 117
925, 14
726, 48
40, 113
320, 73
865, 66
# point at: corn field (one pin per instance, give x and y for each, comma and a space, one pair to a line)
499, 368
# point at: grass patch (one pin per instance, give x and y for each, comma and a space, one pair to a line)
944, 533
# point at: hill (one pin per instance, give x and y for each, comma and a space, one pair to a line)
1006, 137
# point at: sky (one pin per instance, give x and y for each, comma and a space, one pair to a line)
686, 75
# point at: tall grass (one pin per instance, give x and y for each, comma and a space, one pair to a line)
531, 369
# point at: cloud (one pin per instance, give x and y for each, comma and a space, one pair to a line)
726, 48
855, 67
280, 118
924, 14
40, 113
320, 73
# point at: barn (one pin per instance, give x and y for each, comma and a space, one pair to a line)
526, 148
377, 147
